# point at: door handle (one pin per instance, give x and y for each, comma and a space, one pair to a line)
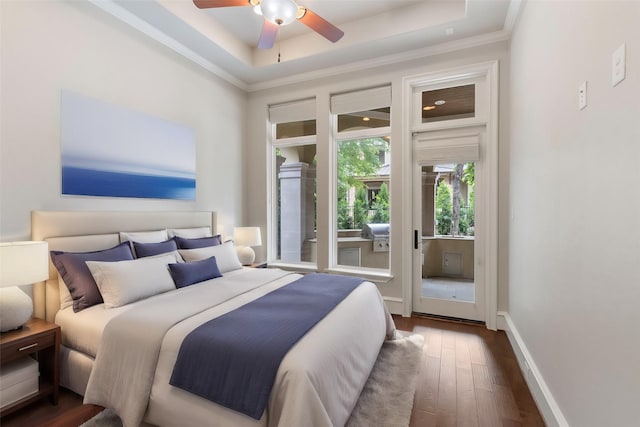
415, 239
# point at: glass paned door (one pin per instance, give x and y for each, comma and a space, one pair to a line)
445, 280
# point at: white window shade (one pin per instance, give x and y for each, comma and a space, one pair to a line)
296, 111
454, 148
363, 100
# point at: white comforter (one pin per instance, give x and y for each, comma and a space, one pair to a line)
318, 382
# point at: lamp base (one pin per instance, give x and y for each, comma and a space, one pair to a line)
15, 308
246, 255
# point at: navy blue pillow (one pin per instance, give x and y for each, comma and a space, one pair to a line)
76, 275
150, 249
188, 273
201, 242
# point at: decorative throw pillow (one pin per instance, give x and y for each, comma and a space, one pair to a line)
124, 282
143, 237
225, 254
76, 275
149, 249
201, 242
188, 273
190, 233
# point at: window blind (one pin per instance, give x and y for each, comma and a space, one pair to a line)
450, 149
362, 100
295, 111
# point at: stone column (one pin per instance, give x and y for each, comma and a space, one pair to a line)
297, 212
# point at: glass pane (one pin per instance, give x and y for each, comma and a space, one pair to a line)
296, 204
364, 202
377, 118
294, 129
448, 228
449, 104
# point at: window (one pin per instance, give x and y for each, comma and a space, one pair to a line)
294, 158
449, 103
363, 166
454, 199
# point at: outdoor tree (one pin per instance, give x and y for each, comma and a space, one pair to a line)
456, 199
356, 159
360, 208
443, 208
469, 178
381, 206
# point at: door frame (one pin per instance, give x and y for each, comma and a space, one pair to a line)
487, 116
457, 145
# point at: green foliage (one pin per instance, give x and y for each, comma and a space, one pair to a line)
360, 208
444, 208
356, 159
381, 206
469, 174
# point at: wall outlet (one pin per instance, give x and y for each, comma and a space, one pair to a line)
618, 65
582, 95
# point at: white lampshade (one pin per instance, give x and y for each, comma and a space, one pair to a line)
245, 237
21, 263
280, 12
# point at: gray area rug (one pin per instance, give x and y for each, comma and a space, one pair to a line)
387, 397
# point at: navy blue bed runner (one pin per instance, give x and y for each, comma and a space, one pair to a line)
233, 359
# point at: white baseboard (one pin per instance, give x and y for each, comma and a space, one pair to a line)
541, 394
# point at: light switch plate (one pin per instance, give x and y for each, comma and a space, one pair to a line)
618, 65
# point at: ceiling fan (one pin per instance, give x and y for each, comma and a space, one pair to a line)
276, 14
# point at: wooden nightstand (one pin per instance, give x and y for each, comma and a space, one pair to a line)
41, 338
262, 264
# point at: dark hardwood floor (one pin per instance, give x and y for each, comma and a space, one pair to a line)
469, 377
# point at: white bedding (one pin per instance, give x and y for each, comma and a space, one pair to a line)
318, 382
82, 331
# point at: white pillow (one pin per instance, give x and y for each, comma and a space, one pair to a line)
122, 282
190, 233
144, 236
226, 256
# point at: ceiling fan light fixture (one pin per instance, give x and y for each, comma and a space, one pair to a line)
280, 12
301, 12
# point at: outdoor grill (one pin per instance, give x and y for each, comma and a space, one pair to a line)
379, 233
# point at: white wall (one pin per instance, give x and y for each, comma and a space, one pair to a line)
48, 46
256, 190
574, 284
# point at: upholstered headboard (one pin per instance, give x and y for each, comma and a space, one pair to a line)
82, 231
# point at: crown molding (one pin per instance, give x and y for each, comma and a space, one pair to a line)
513, 13
156, 34
438, 49
144, 27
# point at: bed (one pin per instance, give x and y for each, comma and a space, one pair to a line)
317, 383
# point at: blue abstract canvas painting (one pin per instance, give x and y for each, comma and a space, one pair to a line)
116, 152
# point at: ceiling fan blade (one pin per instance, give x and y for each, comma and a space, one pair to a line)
205, 4
268, 35
321, 26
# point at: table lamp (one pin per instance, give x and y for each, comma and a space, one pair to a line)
21, 263
245, 237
